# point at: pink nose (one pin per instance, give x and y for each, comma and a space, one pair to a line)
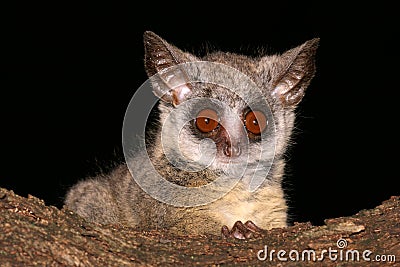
231, 150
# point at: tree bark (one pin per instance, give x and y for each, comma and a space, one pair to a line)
32, 233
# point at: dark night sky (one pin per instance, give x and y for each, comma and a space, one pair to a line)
70, 72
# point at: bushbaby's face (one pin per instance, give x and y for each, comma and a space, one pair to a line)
216, 128
226, 112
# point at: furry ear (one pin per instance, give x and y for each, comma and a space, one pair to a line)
295, 74
171, 83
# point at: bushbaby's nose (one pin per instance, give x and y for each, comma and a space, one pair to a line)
232, 150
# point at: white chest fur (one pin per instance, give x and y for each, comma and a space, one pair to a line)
266, 207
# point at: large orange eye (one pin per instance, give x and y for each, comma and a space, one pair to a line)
255, 122
207, 120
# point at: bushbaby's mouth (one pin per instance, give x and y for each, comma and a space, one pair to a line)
230, 161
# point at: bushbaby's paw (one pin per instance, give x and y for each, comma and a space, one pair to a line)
242, 231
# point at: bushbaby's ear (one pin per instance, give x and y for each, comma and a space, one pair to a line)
171, 83
297, 68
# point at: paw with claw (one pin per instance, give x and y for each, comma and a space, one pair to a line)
242, 230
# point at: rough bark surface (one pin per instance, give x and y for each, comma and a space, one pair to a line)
32, 233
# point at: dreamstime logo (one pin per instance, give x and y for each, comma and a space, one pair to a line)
341, 243
341, 253
184, 153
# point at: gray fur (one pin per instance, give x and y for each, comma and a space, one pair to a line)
116, 198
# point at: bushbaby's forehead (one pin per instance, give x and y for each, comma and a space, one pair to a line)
223, 95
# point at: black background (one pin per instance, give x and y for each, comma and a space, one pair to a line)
70, 72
